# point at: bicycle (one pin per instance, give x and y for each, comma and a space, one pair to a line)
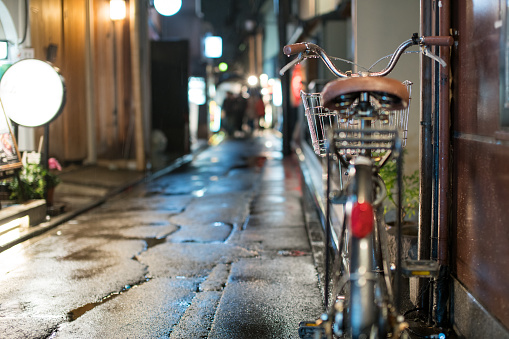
358, 123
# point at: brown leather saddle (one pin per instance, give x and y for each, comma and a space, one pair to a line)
340, 94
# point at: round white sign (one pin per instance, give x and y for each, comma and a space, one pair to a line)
32, 92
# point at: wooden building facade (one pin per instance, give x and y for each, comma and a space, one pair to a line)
106, 68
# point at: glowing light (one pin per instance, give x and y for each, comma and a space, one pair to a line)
264, 79
117, 9
196, 90
213, 47
223, 66
296, 84
212, 90
252, 80
32, 92
268, 116
167, 7
215, 116
199, 193
277, 94
3, 50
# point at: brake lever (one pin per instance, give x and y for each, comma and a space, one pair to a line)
425, 51
292, 63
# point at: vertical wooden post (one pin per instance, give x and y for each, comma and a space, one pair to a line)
135, 19
89, 83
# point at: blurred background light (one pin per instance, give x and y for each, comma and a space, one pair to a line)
117, 9
167, 7
196, 87
215, 116
3, 50
213, 46
264, 80
252, 80
277, 92
223, 67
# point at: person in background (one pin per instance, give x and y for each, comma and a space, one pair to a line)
228, 115
239, 112
255, 111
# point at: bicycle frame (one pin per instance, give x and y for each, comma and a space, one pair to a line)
369, 276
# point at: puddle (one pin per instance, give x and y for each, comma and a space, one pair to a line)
151, 242
78, 312
294, 253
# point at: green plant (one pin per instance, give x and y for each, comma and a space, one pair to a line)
410, 189
34, 183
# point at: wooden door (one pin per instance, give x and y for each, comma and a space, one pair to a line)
170, 107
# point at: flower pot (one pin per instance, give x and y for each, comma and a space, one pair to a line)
50, 192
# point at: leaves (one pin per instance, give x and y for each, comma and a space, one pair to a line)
410, 199
33, 184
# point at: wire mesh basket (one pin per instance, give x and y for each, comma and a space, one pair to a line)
320, 120
350, 134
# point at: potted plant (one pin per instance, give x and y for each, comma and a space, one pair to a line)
409, 209
35, 182
410, 190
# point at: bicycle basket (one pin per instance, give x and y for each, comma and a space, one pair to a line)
320, 119
399, 119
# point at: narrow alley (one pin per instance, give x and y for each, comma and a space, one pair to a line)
216, 249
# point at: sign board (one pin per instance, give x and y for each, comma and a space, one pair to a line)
33, 92
10, 159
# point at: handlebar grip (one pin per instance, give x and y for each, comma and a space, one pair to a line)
437, 40
294, 48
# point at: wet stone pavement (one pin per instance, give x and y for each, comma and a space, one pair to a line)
217, 249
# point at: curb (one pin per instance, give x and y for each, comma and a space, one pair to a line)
58, 220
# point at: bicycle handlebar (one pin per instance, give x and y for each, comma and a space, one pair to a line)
437, 40
296, 48
309, 49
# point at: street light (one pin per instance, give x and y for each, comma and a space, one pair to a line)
213, 47
117, 9
167, 7
252, 80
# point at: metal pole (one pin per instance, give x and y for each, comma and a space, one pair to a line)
45, 153
283, 9
442, 288
426, 158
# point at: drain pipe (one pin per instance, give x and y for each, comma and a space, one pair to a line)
282, 9
425, 161
442, 283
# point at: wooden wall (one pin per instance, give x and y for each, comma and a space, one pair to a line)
62, 23
480, 176
112, 84
65, 24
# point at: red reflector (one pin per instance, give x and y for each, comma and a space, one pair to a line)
362, 219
